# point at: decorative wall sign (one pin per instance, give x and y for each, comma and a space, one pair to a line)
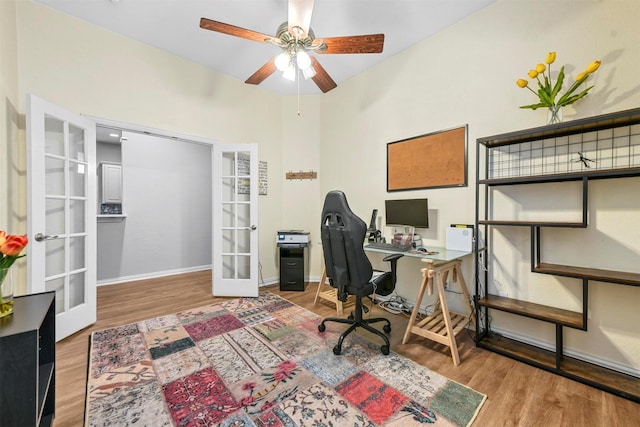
301, 175
432, 160
262, 178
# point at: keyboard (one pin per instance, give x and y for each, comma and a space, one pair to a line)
389, 247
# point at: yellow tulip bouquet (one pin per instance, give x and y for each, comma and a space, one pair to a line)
548, 90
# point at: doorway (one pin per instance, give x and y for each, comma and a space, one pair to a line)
161, 225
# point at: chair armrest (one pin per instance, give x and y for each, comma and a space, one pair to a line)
385, 283
393, 260
392, 257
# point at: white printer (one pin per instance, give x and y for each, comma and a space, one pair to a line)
292, 238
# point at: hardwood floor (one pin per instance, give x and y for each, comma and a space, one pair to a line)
517, 394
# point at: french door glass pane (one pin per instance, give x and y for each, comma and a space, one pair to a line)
54, 176
76, 253
244, 165
228, 238
76, 143
77, 176
76, 289
228, 214
57, 286
244, 266
228, 189
244, 219
228, 164
243, 238
53, 136
228, 267
77, 215
54, 218
54, 250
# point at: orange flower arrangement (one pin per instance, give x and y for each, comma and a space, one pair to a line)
10, 247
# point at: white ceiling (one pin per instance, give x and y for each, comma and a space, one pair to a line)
174, 26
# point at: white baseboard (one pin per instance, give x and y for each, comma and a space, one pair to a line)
275, 280
154, 275
269, 282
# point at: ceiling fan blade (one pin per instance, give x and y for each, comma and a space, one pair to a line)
370, 43
263, 72
232, 30
322, 79
300, 16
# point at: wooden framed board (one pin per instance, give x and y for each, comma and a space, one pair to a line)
432, 160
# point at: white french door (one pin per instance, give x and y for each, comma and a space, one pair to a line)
61, 225
235, 220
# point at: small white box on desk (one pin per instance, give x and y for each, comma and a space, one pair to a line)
460, 238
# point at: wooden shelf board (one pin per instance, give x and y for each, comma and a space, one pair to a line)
588, 373
620, 277
571, 127
534, 223
524, 352
555, 315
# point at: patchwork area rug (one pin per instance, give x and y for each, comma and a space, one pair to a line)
260, 362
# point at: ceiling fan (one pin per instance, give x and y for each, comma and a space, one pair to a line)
296, 38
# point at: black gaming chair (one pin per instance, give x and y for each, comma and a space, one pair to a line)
348, 267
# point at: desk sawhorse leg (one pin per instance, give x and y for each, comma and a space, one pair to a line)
441, 326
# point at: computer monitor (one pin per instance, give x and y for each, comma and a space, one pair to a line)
407, 212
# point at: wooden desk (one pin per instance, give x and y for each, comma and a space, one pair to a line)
442, 325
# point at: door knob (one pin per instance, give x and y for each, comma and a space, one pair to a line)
42, 237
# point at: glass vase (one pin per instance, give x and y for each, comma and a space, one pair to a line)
6, 292
554, 115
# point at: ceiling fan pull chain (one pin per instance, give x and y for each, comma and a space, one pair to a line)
298, 83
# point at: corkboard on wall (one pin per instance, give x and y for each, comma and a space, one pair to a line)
428, 161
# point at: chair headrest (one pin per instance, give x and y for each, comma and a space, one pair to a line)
336, 210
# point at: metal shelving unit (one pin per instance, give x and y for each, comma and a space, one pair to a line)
602, 147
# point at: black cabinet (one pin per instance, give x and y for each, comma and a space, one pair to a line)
598, 148
292, 268
27, 362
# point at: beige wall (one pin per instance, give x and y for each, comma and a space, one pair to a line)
12, 154
463, 75
466, 75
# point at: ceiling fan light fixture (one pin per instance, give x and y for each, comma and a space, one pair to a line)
308, 72
303, 60
282, 61
290, 73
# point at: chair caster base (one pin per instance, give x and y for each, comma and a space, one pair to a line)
386, 328
384, 349
321, 327
337, 350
